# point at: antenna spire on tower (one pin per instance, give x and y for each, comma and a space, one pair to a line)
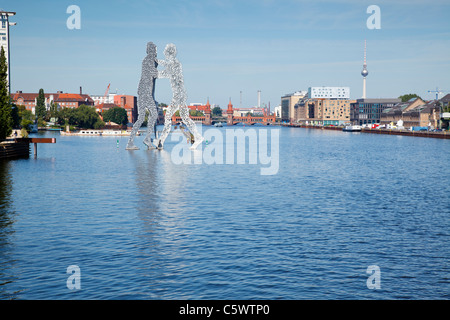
365, 47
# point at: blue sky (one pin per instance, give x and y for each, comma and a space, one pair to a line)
227, 47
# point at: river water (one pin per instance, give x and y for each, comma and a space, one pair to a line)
139, 225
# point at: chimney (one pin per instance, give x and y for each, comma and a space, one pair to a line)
18, 91
59, 92
81, 90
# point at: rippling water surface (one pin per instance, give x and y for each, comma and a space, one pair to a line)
141, 227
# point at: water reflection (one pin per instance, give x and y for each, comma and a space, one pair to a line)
160, 186
175, 184
147, 181
6, 231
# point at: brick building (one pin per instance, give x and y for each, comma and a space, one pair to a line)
129, 103
425, 115
323, 111
63, 100
395, 113
414, 113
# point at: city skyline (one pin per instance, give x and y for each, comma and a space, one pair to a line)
231, 47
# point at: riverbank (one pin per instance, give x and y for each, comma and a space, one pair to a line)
423, 134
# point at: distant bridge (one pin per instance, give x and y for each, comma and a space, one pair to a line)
250, 120
231, 119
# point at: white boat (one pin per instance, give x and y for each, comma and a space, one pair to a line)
352, 128
117, 133
92, 132
218, 124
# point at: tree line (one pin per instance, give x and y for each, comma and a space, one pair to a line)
6, 121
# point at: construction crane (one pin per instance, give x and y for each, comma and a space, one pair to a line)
106, 93
438, 92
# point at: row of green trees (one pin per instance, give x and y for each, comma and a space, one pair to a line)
6, 120
86, 117
83, 117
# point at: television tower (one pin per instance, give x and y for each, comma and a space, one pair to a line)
364, 72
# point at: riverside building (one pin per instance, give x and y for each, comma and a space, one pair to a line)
63, 100
322, 111
323, 106
329, 93
369, 111
288, 102
4, 39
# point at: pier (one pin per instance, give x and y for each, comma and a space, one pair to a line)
20, 148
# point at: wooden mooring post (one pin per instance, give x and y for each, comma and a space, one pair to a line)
40, 140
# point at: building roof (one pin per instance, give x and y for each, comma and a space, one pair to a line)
25, 96
68, 97
57, 97
296, 93
427, 107
446, 98
402, 106
10, 13
381, 100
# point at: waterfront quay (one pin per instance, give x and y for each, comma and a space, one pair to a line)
398, 132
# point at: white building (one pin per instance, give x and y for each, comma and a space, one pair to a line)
103, 99
329, 93
4, 38
277, 111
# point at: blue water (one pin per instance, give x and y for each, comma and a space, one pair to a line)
141, 227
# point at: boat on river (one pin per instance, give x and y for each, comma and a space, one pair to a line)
93, 132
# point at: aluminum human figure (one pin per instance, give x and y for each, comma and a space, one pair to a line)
174, 72
146, 98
